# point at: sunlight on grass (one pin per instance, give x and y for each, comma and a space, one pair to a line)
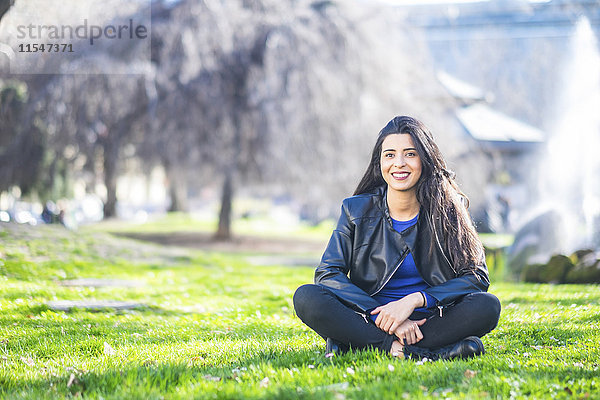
214, 326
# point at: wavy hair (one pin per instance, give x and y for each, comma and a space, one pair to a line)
437, 192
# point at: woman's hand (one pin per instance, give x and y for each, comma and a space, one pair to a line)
393, 314
409, 331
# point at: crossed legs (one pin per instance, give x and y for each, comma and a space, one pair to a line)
474, 315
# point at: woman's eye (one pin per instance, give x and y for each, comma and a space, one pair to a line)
411, 154
388, 155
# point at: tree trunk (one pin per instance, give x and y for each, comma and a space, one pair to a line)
224, 229
178, 194
111, 157
113, 136
177, 188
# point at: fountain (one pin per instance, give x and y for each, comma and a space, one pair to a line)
568, 215
571, 172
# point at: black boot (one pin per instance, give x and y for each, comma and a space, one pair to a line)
331, 346
466, 348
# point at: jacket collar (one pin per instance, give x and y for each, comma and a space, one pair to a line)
382, 197
382, 204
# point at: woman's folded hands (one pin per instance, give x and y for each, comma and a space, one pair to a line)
393, 318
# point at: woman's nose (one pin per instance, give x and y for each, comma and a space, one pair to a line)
399, 161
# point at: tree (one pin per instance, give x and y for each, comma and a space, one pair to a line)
103, 121
84, 119
284, 93
22, 144
182, 120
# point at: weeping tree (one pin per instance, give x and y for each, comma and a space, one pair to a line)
231, 85
85, 134
86, 121
178, 128
203, 54
181, 131
22, 143
244, 139
28, 139
308, 98
282, 94
98, 126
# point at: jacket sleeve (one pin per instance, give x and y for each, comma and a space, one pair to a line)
468, 280
332, 272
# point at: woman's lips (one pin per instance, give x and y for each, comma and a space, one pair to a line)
400, 175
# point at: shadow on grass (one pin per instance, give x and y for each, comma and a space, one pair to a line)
30, 311
239, 244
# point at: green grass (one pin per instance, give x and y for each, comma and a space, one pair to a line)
215, 326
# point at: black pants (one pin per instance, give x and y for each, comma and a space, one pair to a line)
474, 315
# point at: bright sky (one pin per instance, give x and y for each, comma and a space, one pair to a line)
417, 2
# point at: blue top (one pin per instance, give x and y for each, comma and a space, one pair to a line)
406, 279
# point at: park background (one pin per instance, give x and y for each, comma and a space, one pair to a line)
161, 196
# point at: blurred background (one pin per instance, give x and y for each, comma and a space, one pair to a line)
269, 109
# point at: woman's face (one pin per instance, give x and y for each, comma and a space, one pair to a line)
400, 163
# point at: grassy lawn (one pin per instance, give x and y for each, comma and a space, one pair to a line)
213, 325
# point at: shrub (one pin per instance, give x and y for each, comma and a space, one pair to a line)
587, 268
583, 266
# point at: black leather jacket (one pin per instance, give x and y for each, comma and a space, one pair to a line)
364, 252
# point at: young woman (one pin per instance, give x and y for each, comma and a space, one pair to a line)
404, 271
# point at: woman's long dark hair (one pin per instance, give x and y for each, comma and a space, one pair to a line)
437, 192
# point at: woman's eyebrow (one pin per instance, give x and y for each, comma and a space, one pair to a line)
388, 150
410, 148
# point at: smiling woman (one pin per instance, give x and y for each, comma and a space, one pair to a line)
404, 271
401, 170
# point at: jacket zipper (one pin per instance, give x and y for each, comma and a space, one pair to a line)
441, 307
392, 274
364, 317
437, 241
